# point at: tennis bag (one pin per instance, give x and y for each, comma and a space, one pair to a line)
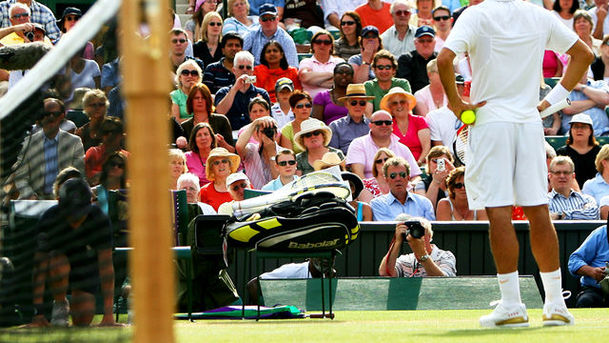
311, 222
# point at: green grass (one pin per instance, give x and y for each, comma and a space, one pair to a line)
356, 326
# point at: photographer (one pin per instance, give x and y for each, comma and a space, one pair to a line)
257, 157
425, 260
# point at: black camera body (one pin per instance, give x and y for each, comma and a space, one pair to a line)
415, 229
270, 131
30, 36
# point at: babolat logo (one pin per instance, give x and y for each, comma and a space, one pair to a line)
323, 244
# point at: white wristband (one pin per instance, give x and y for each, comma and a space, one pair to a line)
557, 94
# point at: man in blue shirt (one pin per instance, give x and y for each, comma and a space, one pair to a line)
269, 30
589, 261
386, 207
233, 101
355, 124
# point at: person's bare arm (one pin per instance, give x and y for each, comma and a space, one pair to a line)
318, 112
580, 58
447, 76
597, 273
599, 96
601, 13
418, 248
387, 267
425, 139
358, 168
314, 78
578, 106
443, 211
106, 275
227, 102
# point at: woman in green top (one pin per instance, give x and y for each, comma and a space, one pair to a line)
302, 104
188, 74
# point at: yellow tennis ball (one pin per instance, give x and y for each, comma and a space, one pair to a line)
468, 117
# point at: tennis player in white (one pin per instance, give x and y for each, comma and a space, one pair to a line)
506, 166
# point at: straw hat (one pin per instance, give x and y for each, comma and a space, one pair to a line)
329, 159
412, 101
311, 125
355, 90
219, 153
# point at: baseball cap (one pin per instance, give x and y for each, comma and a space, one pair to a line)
75, 197
581, 118
368, 29
425, 31
282, 83
267, 9
234, 177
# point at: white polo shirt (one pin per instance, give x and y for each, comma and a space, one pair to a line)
495, 31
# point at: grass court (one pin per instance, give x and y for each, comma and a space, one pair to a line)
348, 326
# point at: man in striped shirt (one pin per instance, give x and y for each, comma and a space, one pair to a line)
564, 202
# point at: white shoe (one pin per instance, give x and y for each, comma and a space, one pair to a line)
60, 313
557, 315
506, 317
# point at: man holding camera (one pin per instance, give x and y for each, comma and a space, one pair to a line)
233, 101
426, 259
257, 157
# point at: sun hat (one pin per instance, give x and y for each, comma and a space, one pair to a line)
329, 159
355, 90
412, 101
235, 160
581, 118
311, 125
357, 183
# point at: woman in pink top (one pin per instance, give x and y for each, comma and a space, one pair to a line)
202, 141
412, 130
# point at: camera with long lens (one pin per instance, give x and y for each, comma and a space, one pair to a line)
30, 36
270, 131
415, 229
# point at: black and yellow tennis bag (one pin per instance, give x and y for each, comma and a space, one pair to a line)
312, 222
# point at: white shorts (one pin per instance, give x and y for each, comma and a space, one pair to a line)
506, 165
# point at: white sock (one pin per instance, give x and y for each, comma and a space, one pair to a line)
552, 284
510, 288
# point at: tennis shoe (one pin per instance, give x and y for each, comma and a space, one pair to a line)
506, 316
557, 315
60, 313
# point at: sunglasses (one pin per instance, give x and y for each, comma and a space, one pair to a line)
241, 185
248, 67
307, 105
382, 122
459, 185
54, 114
186, 72
401, 13
223, 161
20, 15
117, 164
181, 41
429, 40
566, 173
347, 23
361, 103
285, 163
399, 102
322, 41
381, 160
442, 17
215, 23
71, 18
314, 133
435, 160
265, 19
394, 175
97, 104
384, 67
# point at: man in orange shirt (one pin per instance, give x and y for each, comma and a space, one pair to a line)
375, 13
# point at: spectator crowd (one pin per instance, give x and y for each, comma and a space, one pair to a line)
277, 90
